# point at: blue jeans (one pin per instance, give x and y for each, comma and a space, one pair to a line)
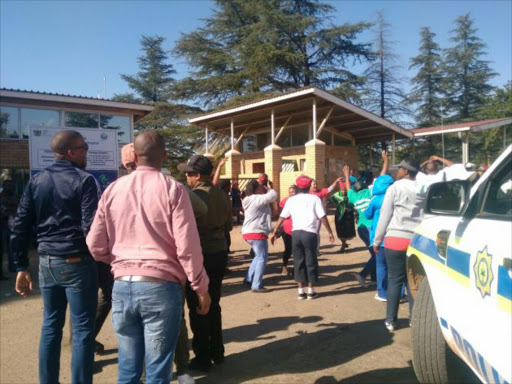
382, 274
146, 319
60, 283
369, 268
259, 263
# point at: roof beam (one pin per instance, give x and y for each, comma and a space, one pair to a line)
281, 130
322, 125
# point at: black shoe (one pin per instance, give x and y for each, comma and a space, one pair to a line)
98, 347
198, 366
218, 360
301, 296
248, 283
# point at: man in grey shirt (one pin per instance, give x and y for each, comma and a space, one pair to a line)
401, 212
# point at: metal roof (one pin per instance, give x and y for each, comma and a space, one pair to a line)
46, 97
295, 108
473, 126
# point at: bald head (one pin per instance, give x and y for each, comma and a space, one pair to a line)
64, 141
149, 149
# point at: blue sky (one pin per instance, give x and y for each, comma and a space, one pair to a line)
69, 46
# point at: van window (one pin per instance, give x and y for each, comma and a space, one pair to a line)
499, 197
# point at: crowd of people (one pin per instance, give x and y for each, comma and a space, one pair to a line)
150, 243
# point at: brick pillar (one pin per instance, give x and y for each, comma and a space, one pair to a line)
233, 164
315, 161
274, 165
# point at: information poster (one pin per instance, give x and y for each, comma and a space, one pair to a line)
102, 157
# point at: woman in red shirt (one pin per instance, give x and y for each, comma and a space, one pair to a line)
287, 231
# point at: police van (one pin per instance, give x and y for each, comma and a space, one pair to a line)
460, 273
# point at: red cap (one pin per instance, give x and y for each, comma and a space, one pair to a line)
303, 182
263, 177
343, 186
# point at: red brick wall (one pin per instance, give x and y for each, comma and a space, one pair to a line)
14, 154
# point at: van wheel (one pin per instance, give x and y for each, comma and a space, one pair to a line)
433, 360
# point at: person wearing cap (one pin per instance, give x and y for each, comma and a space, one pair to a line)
207, 342
360, 195
306, 211
401, 212
145, 229
255, 229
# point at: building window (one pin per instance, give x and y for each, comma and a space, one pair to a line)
9, 122
81, 120
31, 116
119, 123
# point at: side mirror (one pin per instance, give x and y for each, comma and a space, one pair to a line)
448, 198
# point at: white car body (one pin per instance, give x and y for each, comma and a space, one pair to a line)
472, 285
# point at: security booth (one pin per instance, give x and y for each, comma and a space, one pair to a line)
22, 110
306, 131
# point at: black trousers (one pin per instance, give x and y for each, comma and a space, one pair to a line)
207, 342
397, 276
105, 285
287, 240
305, 260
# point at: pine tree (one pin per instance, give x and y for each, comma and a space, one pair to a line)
253, 46
153, 85
385, 96
467, 74
427, 92
153, 81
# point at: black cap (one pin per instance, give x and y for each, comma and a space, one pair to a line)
410, 164
197, 163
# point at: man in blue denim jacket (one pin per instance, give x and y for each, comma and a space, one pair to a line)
61, 202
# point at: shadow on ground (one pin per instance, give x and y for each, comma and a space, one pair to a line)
333, 344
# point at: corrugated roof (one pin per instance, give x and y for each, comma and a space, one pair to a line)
72, 96
466, 126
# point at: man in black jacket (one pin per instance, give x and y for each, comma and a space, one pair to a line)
61, 202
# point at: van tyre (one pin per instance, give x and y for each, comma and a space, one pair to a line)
433, 360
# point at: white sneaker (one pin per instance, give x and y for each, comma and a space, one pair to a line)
377, 297
390, 326
186, 379
360, 280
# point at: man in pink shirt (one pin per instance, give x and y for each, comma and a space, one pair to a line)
145, 228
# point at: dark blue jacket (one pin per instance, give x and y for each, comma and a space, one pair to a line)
60, 201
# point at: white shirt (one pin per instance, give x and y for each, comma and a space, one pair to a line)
305, 210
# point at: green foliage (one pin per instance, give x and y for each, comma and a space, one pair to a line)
252, 46
467, 75
153, 85
427, 91
384, 94
154, 80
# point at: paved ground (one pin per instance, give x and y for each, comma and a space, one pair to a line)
270, 338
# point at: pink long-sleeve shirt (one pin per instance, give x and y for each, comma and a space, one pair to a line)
145, 226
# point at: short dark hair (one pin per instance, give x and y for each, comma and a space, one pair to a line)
251, 188
64, 140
